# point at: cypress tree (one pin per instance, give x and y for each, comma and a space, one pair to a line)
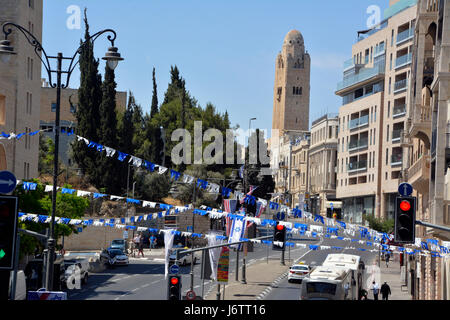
108, 133
87, 114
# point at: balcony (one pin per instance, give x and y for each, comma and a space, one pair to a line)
358, 144
403, 60
357, 166
380, 50
405, 36
421, 123
364, 76
419, 174
358, 122
396, 135
399, 111
396, 159
400, 85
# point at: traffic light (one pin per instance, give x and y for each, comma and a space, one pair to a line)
174, 288
8, 231
405, 220
279, 235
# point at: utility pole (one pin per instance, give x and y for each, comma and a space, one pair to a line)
194, 198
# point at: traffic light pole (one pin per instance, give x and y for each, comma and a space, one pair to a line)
426, 224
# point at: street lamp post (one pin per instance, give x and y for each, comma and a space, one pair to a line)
112, 58
244, 266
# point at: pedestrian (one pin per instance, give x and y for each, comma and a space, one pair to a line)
152, 241
387, 257
375, 290
385, 291
141, 245
136, 240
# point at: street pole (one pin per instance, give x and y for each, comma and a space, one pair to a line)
192, 244
51, 240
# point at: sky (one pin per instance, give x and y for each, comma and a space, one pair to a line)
225, 50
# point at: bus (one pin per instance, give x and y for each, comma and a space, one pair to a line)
340, 277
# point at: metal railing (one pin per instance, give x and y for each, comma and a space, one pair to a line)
400, 85
358, 122
364, 74
405, 35
396, 159
358, 144
399, 110
357, 166
403, 60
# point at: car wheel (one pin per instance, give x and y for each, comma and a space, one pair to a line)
195, 260
290, 280
184, 262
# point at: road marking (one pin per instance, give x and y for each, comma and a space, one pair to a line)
135, 289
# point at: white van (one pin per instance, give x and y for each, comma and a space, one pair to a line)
21, 287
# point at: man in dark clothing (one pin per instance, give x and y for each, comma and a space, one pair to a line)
385, 291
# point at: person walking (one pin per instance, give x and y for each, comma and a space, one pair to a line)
386, 258
152, 241
136, 241
385, 291
141, 245
375, 290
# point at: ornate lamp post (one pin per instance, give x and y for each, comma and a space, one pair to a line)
112, 58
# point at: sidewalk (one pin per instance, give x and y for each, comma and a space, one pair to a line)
391, 275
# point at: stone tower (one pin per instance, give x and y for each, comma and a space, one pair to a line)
291, 88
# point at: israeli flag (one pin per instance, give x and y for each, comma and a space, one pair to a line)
237, 232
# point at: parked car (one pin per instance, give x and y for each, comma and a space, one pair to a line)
119, 244
73, 269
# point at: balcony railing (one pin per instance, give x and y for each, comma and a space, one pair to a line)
400, 85
358, 144
396, 159
364, 74
396, 134
423, 162
399, 111
405, 35
403, 60
357, 166
358, 122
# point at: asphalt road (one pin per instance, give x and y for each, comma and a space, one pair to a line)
291, 291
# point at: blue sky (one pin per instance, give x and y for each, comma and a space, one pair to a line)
225, 50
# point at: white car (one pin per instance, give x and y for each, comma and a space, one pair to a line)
184, 259
118, 257
297, 272
76, 269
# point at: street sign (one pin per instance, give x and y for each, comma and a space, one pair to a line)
174, 269
7, 182
125, 234
405, 189
280, 216
190, 295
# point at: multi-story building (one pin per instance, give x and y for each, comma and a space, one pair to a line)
20, 89
426, 144
372, 117
68, 121
323, 163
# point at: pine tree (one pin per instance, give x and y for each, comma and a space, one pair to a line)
87, 114
154, 107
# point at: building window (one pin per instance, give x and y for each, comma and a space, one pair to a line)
392, 37
389, 108
387, 156
53, 106
31, 4
279, 91
297, 91
387, 133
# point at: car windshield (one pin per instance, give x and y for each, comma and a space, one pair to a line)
117, 242
305, 268
114, 253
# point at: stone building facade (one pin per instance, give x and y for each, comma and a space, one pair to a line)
323, 163
20, 89
292, 85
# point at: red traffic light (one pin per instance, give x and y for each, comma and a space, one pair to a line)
405, 205
280, 227
174, 280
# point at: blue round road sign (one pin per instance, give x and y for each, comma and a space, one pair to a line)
174, 269
405, 189
280, 215
7, 181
